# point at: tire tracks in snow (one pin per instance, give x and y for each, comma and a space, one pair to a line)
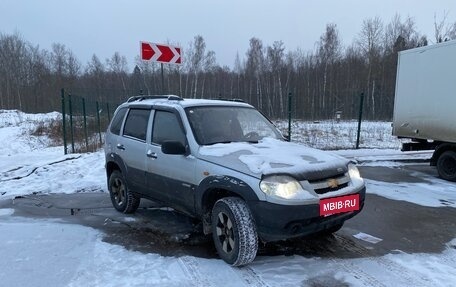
345, 265
387, 264
250, 277
191, 266
34, 169
246, 274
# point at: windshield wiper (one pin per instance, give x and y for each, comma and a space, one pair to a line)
217, 142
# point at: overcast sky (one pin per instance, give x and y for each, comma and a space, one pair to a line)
106, 26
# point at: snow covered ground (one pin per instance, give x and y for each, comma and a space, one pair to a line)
49, 253
332, 135
44, 252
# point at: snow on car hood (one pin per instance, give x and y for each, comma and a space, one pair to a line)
271, 156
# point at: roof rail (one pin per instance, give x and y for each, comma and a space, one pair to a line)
141, 98
231, 100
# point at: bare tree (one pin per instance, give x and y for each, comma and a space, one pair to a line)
117, 65
275, 59
370, 43
254, 68
96, 71
329, 51
439, 28
208, 68
197, 50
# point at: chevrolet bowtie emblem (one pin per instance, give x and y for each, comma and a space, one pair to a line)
333, 183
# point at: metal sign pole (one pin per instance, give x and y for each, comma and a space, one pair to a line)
163, 79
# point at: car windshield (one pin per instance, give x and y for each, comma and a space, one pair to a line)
213, 125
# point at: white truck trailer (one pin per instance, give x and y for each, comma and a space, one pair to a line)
425, 103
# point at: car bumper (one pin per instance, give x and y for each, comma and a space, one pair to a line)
279, 222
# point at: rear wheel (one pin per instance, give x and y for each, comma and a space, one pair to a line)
234, 232
446, 165
122, 199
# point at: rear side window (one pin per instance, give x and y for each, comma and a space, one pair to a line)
117, 121
167, 127
136, 124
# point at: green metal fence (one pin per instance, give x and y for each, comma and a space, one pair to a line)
84, 122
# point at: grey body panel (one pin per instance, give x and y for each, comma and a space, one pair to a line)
171, 178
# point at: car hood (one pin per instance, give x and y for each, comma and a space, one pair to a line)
270, 156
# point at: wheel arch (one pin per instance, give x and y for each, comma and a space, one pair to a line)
114, 162
213, 188
440, 149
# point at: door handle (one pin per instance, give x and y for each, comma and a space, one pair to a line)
151, 154
120, 146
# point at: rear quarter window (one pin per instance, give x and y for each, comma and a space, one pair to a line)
117, 121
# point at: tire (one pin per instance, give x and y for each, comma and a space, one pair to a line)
330, 231
234, 231
446, 165
122, 199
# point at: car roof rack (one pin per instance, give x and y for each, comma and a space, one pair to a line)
148, 97
231, 100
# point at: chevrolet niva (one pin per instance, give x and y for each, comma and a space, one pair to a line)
224, 163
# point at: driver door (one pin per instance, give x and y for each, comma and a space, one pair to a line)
170, 177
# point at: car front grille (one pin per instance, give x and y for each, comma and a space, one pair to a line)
330, 184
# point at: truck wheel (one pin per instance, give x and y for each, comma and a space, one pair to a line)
122, 199
234, 231
446, 165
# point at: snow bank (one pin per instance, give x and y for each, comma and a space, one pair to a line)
28, 165
15, 131
437, 193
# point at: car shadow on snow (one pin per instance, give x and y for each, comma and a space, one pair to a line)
169, 233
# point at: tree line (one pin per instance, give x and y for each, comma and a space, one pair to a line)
322, 81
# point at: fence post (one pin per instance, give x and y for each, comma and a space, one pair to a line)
361, 101
71, 124
85, 124
109, 114
65, 149
98, 122
289, 116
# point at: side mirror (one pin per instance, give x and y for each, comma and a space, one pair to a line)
173, 147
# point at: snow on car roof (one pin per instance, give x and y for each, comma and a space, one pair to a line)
191, 102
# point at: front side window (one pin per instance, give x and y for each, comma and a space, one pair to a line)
229, 124
136, 124
167, 128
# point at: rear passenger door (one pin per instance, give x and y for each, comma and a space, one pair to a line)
170, 176
132, 148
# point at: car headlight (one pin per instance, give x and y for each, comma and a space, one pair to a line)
354, 174
284, 187
353, 171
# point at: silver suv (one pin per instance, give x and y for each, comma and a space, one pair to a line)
226, 164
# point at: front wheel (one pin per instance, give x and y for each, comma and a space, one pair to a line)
446, 165
122, 199
234, 231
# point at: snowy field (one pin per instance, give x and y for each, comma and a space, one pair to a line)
335, 136
44, 252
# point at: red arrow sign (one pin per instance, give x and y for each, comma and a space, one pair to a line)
160, 53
